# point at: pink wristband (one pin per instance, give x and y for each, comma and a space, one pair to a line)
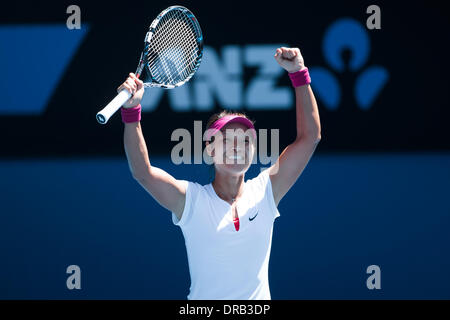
130, 115
300, 78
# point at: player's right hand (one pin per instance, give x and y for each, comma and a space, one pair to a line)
135, 87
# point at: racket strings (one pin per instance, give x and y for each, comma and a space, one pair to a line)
173, 50
184, 26
174, 53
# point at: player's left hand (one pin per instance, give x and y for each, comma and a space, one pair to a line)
290, 59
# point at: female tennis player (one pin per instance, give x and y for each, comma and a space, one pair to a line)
227, 224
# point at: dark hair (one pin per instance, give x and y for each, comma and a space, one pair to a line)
213, 118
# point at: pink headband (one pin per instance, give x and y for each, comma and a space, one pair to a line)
220, 123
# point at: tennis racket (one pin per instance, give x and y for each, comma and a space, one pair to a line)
173, 50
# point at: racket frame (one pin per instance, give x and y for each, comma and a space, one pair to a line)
123, 96
142, 61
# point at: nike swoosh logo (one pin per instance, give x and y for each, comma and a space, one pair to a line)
251, 219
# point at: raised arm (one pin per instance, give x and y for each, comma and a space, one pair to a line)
295, 156
165, 189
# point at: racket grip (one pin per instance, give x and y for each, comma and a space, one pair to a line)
111, 108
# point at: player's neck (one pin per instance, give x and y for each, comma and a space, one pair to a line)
227, 187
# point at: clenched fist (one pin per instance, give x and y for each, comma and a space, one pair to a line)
290, 59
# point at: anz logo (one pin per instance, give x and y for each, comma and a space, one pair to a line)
42, 52
220, 78
347, 34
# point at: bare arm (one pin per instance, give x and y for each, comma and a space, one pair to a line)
293, 160
165, 189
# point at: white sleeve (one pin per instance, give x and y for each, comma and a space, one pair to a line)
191, 195
265, 183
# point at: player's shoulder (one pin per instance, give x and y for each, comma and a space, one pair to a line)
261, 188
260, 180
193, 188
194, 197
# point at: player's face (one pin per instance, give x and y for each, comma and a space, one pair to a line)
233, 149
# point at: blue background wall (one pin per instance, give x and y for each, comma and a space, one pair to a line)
346, 212
374, 193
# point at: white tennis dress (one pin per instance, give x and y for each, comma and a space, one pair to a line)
225, 263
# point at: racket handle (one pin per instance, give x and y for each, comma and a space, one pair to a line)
115, 104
